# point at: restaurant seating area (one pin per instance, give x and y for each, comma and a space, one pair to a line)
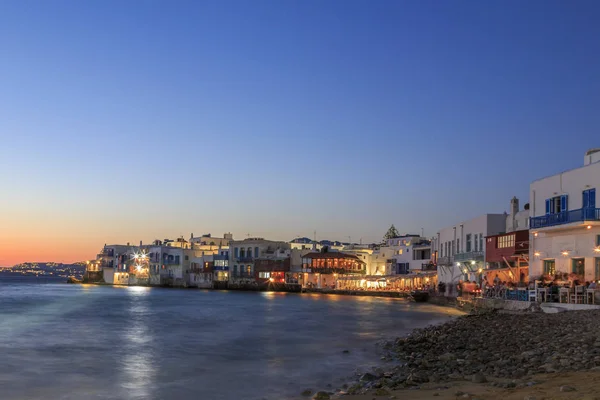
558, 292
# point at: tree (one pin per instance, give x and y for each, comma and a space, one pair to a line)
391, 233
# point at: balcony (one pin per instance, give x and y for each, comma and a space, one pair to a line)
469, 256
445, 260
428, 267
244, 259
565, 217
170, 262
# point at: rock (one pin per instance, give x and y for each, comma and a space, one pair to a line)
381, 392
566, 388
436, 394
321, 396
479, 378
529, 398
306, 392
346, 351
367, 377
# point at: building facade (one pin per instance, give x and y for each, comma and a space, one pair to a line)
243, 253
564, 232
459, 250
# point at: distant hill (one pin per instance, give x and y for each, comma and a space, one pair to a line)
46, 268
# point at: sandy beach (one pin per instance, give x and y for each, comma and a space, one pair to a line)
586, 386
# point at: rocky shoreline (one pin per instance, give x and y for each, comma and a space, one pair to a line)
493, 349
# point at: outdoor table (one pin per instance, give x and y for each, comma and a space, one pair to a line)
522, 294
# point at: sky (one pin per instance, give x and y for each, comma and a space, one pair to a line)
123, 121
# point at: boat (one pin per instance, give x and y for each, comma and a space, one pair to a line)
72, 279
419, 296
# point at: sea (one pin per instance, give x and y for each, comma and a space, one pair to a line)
70, 341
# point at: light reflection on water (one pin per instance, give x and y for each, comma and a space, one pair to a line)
150, 343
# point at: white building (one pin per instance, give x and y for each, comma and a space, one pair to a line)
565, 223
459, 250
517, 220
243, 253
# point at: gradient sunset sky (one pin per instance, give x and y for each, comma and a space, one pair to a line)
135, 120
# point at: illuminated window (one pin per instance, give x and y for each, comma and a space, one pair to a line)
264, 275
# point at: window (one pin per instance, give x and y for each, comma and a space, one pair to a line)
475, 242
235, 269
597, 268
264, 275
453, 247
186, 258
468, 243
589, 198
578, 266
458, 245
549, 267
597, 240
400, 251
249, 269
506, 241
557, 204
256, 252
481, 242
237, 252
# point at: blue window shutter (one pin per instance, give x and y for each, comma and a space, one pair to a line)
592, 201
547, 206
586, 198
563, 202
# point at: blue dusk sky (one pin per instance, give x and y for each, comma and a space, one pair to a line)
135, 120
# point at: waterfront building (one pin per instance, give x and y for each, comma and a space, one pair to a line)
200, 272
322, 269
507, 254
110, 265
209, 240
243, 253
271, 270
564, 229
304, 243
459, 250
412, 253
168, 262
221, 267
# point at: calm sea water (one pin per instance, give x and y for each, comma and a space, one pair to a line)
60, 341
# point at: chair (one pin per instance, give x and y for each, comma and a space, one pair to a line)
543, 294
590, 296
563, 293
532, 294
578, 294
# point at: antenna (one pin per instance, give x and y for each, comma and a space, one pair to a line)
422, 232
315, 237
349, 239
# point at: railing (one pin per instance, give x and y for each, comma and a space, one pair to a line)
170, 262
242, 276
244, 259
445, 260
565, 217
470, 256
428, 267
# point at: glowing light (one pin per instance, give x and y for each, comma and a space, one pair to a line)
597, 249
465, 270
138, 267
426, 279
535, 234
537, 254
271, 279
458, 264
472, 262
589, 227
565, 253
480, 270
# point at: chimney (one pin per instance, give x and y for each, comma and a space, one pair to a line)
192, 235
140, 243
514, 206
